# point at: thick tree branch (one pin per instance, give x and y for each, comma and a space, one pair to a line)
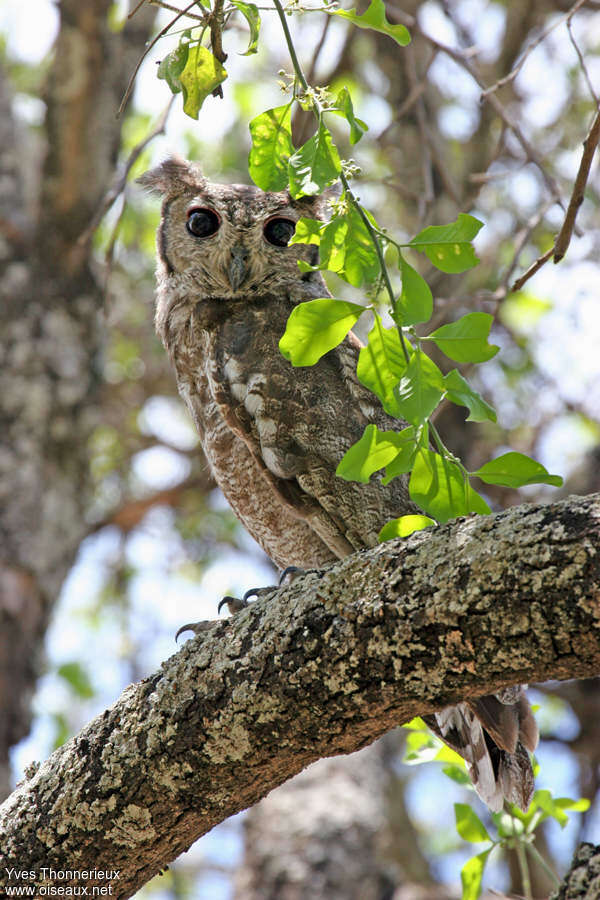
324, 667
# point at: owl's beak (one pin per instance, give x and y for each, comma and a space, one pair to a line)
238, 268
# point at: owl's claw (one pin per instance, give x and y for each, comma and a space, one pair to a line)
234, 604
289, 575
197, 627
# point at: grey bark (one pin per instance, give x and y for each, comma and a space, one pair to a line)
339, 830
582, 881
52, 328
324, 667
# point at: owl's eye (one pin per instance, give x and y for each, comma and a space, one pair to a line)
278, 231
202, 222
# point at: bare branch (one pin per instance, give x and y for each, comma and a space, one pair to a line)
117, 188
533, 268
558, 250
532, 46
589, 148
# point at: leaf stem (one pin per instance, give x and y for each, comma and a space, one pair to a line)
544, 865
319, 109
524, 868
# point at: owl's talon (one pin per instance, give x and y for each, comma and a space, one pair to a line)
289, 575
257, 593
234, 604
197, 627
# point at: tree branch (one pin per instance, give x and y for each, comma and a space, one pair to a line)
323, 667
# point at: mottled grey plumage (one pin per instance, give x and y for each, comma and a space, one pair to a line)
273, 435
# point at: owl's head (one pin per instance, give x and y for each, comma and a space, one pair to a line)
229, 240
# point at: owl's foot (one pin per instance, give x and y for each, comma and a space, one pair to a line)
236, 605
198, 627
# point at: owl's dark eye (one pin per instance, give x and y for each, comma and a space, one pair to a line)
278, 231
202, 222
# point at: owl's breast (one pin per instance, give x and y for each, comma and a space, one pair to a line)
223, 359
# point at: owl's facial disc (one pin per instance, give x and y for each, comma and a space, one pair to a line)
238, 267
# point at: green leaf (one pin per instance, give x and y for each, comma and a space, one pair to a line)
78, 679
448, 247
193, 70
471, 875
420, 389
402, 464
457, 774
415, 303
581, 805
416, 724
308, 231
347, 249
439, 487
469, 825
372, 452
446, 754
515, 470
460, 392
374, 18
381, 364
252, 16
315, 327
343, 107
421, 747
172, 66
404, 526
466, 340
314, 165
545, 801
271, 134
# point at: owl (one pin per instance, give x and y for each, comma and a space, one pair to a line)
272, 434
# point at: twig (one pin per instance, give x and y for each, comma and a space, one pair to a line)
365, 219
135, 9
427, 195
531, 47
463, 60
160, 34
540, 261
521, 239
216, 31
117, 188
565, 234
317, 51
177, 9
589, 148
582, 63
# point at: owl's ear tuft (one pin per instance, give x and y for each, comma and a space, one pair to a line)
173, 176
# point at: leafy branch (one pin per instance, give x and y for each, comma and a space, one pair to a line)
394, 364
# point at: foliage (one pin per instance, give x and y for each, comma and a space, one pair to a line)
394, 365
514, 830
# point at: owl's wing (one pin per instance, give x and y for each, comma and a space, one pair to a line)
299, 422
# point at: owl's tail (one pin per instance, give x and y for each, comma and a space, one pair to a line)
493, 735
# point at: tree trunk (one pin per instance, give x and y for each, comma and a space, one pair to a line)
51, 321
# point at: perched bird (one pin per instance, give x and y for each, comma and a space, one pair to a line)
272, 434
